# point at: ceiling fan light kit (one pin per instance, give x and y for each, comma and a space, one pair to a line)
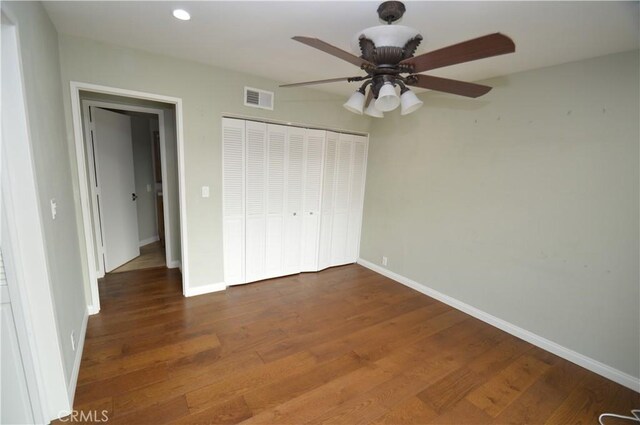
355, 103
387, 52
409, 102
372, 111
387, 99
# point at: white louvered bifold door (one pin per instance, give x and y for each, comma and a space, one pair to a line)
326, 218
312, 199
256, 194
358, 175
341, 207
276, 154
293, 199
233, 199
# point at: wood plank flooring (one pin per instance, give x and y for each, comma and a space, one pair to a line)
343, 346
151, 256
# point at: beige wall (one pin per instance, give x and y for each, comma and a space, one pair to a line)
207, 93
523, 203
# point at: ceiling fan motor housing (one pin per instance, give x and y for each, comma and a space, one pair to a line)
386, 59
388, 55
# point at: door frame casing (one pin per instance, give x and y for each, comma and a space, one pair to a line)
95, 187
85, 196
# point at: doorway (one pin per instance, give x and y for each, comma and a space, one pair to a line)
125, 163
164, 243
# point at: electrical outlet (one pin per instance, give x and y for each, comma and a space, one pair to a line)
384, 261
205, 191
73, 340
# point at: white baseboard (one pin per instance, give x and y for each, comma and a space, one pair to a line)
73, 379
91, 309
147, 241
174, 264
205, 289
595, 366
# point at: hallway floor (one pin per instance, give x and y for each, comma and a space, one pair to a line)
151, 255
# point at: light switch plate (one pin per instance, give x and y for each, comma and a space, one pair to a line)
205, 191
148, 188
54, 208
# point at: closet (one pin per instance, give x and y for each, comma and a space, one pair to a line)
292, 199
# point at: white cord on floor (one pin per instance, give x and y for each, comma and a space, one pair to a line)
634, 412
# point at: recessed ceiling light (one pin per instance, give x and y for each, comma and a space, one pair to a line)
181, 14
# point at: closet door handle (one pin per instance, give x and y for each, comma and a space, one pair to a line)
310, 212
294, 213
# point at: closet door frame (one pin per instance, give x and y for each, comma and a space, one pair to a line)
360, 207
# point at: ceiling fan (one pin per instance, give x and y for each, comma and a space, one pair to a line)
387, 52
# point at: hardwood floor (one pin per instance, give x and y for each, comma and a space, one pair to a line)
151, 255
345, 345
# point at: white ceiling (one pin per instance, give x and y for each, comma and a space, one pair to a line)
255, 37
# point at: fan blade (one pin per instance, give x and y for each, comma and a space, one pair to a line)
478, 48
449, 86
332, 50
329, 80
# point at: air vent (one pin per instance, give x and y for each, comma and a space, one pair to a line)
258, 98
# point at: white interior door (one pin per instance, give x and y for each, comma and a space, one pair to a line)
340, 225
233, 199
116, 195
276, 169
328, 192
14, 394
294, 199
21, 249
313, 168
256, 190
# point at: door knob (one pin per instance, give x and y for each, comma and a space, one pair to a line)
294, 213
310, 212
134, 196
